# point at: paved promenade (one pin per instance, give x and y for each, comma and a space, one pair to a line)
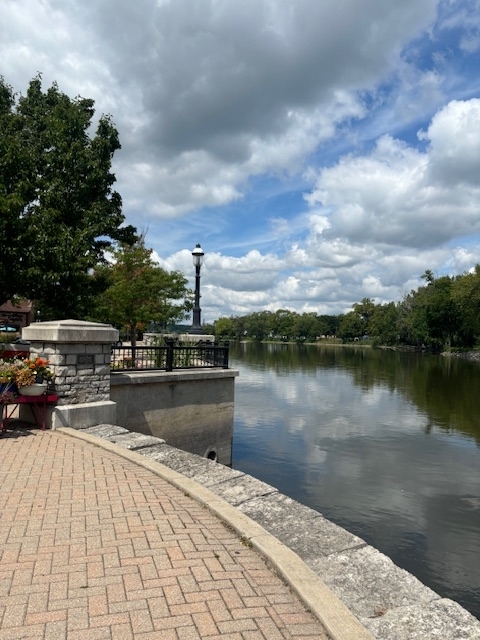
94, 546
106, 533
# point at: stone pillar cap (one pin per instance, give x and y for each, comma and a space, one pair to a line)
70, 331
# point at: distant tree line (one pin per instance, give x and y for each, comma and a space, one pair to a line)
283, 325
442, 313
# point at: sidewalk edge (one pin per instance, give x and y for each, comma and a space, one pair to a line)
339, 622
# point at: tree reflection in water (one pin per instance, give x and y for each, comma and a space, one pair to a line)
383, 443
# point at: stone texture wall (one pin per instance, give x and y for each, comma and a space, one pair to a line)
79, 354
82, 371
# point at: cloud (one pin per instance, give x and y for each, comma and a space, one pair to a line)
401, 196
454, 153
207, 94
395, 196
320, 152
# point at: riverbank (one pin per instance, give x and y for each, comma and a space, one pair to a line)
466, 355
386, 600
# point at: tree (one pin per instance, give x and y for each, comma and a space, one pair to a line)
58, 210
281, 324
352, 326
257, 324
140, 291
306, 326
466, 294
433, 316
224, 328
365, 310
412, 322
442, 314
384, 324
328, 325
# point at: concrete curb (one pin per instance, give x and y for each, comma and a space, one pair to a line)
338, 620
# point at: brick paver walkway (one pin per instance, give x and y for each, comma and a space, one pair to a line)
94, 547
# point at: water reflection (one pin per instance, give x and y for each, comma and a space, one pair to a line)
383, 443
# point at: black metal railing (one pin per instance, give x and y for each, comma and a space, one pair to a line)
169, 357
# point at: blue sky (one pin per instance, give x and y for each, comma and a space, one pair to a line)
319, 152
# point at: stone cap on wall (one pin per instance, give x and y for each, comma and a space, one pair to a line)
70, 331
119, 378
196, 337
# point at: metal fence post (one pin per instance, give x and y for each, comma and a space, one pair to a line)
225, 354
169, 359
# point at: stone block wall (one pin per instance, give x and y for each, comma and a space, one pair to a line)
79, 354
82, 371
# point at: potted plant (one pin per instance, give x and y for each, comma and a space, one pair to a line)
32, 376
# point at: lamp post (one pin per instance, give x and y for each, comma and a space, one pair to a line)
197, 255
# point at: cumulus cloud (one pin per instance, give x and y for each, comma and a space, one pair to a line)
207, 94
228, 112
454, 153
401, 196
395, 196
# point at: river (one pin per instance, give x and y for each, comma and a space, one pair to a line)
385, 444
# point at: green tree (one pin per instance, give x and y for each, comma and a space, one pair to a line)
442, 314
356, 323
329, 324
239, 326
351, 326
430, 316
208, 328
58, 210
281, 324
384, 324
140, 291
365, 310
258, 324
466, 294
224, 328
306, 327
412, 322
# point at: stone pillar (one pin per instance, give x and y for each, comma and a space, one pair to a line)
79, 354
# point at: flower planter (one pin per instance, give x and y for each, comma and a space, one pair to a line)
31, 374
33, 389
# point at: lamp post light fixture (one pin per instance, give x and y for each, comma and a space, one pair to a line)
197, 255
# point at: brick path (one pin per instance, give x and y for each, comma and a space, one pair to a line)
94, 547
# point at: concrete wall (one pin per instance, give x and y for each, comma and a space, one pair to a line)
191, 410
